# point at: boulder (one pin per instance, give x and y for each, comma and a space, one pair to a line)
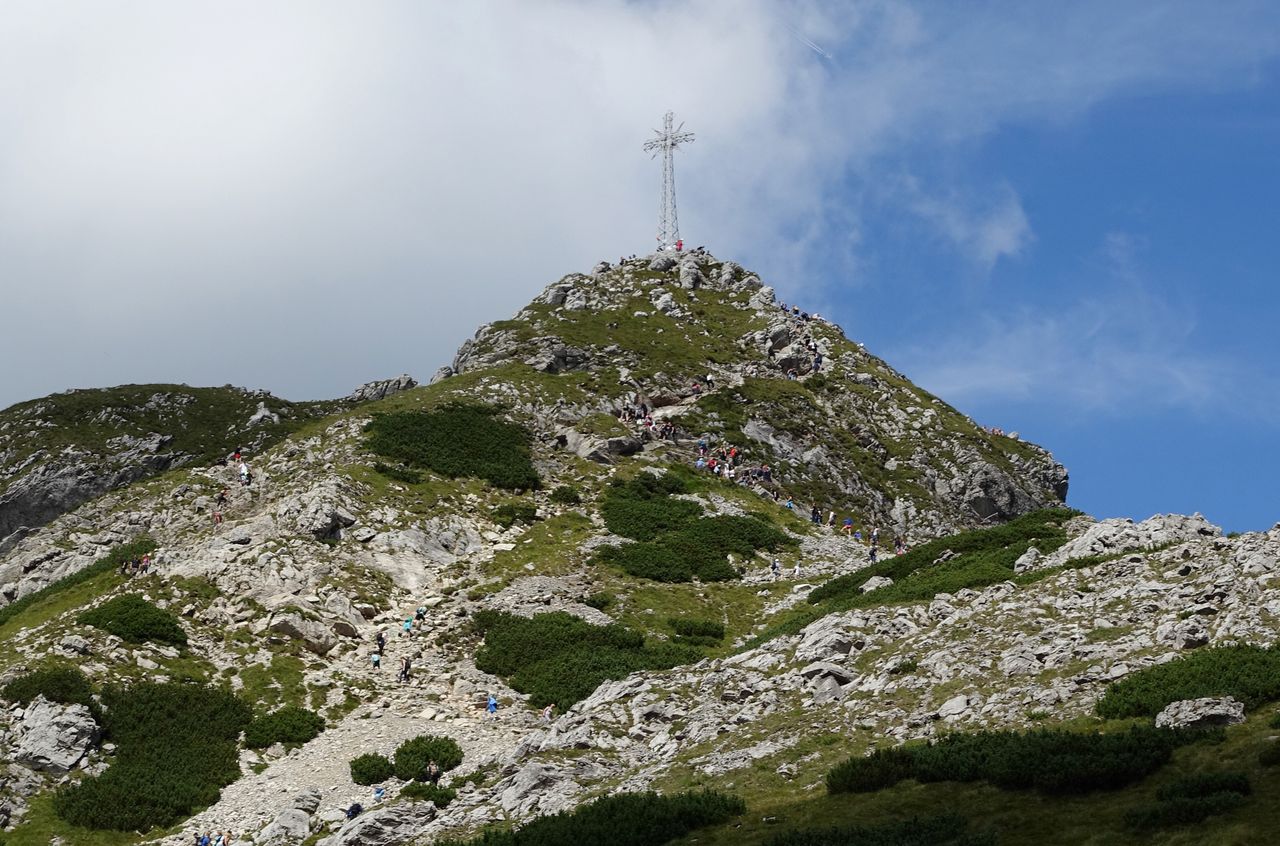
314, 635
291, 826
956, 706
392, 825
53, 737
663, 262
370, 391
1201, 713
875, 583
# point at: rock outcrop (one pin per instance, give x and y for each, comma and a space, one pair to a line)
54, 738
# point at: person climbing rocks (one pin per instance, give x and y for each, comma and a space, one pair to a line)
381, 640
871, 554
376, 657
421, 614
546, 713
408, 627
492, 706
379, 793
815, 515
223, 496
848, 526
776, 569
405, 667
354, 811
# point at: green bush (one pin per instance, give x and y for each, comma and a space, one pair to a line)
57, 684
642, 508
1183, 811
457, 441
626, 819
1249, 673
566, 495
508, 514
1270, 755
697, 628
400, 474
1048, 760
599, 600
441, 796
558, 658
414, 756
133, 619
289, 725
930, 831
371, 768
176, 747
1205, 784
108, 563
982, 557
1274, 722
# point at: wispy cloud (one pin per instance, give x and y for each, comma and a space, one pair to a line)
1127, 351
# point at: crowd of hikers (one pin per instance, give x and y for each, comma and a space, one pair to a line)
139, 565
213, 838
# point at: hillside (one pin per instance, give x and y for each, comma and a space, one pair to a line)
544, 519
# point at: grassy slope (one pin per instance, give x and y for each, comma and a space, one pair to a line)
1021, 818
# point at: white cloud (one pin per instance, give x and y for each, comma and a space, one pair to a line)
309, 194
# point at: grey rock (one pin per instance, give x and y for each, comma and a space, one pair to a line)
371, 391
314, 635
391, 825
875, 583
53, 737
291, 826
1201, 713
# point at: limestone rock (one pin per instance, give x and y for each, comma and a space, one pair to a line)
392, 825
54, 737
314, 635
291, 826
1201, 713
371, 391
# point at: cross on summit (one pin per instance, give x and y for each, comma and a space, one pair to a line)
666, 142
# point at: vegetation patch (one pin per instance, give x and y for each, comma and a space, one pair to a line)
1192, 799
696, 632
560, 659
674, 542
972, 559
108, 563
929, 831
425, 790
371, 768
290, 725
627, 819
1047, 760
175, 750
398, 472
1249, 673
414, 757
456, 440
566, 495
135, 620
508, 514
66, 685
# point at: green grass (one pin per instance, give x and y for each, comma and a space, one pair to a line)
279, 684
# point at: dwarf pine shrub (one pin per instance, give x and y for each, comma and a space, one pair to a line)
413, 757
457, 440
558, 658
1249, 673
566, 495
371, 768
626, 819
57, 684
134, 619
508, 514
176, 747
1048, 760
688, 627
289, 725
675, 543
441, 796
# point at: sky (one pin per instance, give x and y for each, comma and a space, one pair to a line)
1060, 218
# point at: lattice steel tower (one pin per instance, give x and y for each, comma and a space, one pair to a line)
666, 143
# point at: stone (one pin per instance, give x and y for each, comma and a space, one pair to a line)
391, 825
291, 826
54, 738
1201, 713
954, 707
371, 391
308, 801
1027, 560
875, 583
314, 635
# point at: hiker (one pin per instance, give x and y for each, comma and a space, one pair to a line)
379, 793
376, 657
222, 497
791, 505
381, 640
354, 811
697, 389
871, 554
897, 544
217, 839
206, 839
405, 666
848, 526
433, 772
408, 627
831, 518
875, 536
711, 382
776, 569
797, 570
421, 614
546, 713
492, 706
217, 518
815, 516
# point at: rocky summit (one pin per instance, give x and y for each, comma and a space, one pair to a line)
662, 555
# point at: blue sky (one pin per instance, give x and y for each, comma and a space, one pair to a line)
1061, 218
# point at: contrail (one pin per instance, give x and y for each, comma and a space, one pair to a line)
806, 42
